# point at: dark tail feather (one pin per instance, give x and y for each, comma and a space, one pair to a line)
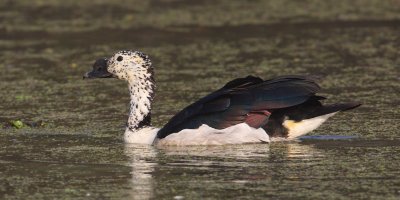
351, 106
338, 107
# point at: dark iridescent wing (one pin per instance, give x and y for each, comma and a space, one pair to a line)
241, 100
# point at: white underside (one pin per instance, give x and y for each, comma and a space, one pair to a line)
237, 134
296, 129
204, 135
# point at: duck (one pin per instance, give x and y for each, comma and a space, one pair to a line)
244, 110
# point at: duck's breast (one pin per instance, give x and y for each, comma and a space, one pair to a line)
142, 136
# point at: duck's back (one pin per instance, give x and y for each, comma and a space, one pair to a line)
249, 100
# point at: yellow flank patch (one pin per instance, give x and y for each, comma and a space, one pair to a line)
296, 129
290, 124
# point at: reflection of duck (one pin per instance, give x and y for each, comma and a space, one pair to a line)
171, 170
293, 150
240, 112
219, 151
142, 169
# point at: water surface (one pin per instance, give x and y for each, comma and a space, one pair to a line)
76, 149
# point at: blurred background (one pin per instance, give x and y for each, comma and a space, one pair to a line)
48, 111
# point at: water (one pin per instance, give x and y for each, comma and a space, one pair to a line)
78, 152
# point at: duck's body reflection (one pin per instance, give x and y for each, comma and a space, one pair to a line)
151, 165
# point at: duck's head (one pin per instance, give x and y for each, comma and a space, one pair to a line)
126, 65
134, 67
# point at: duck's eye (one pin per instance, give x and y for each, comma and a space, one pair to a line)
120, 58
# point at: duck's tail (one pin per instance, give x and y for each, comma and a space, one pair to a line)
333, 108
304, 118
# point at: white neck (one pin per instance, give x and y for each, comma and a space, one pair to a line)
141, 91
139, 130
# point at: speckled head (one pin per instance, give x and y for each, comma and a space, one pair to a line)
126, 65
129, 65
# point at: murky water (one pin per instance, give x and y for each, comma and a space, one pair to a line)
76, 151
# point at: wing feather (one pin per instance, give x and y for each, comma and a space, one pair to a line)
243, 100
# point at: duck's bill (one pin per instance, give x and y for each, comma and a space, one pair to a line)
97, 74
99, 70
